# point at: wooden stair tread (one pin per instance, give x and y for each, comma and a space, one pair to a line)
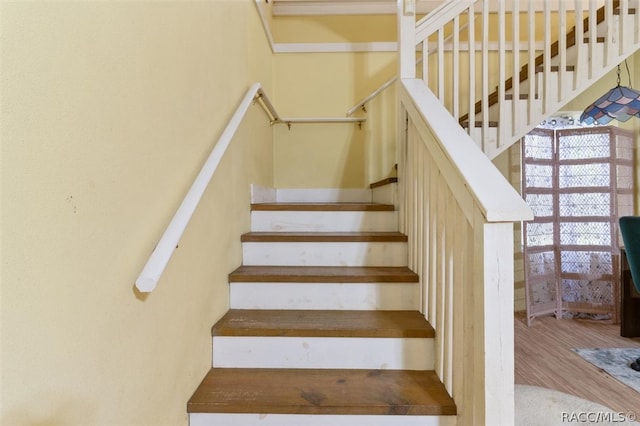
322, 323
318, 237
324, 274
321, 391
383, 182
353, 207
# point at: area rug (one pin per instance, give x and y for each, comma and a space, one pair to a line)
615, 361
537, 406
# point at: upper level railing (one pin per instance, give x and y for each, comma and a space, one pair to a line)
362, 103
458, 212
155, 266
510, 91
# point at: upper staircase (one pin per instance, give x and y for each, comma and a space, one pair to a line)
563, 48
324, 324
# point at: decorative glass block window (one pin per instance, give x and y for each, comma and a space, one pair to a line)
578, 182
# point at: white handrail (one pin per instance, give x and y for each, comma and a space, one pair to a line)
316, 120
498, 201
373, 94
155, 266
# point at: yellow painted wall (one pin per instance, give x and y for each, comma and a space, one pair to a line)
326, 85
334, 29
108, 111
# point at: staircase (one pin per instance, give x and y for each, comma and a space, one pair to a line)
324, 324
512, 94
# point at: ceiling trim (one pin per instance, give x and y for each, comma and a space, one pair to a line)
344, 7
380, 7
334, 47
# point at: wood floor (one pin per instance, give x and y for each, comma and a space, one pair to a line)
543, 357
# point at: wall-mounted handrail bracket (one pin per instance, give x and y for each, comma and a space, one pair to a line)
155, 266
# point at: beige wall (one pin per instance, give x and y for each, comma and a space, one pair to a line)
327, 85
108, 111
334, 29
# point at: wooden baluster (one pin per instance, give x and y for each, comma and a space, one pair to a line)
609, 49
562, 50
485, 75
579, 67
593, 45
441, 74
504, 129
455, 74
515, 78
546, 64
472, 70
531, 68
623, 28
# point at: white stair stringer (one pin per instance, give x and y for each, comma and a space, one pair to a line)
549, 100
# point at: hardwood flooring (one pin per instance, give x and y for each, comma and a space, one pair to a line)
544, 357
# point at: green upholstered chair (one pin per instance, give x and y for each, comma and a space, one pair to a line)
630, 230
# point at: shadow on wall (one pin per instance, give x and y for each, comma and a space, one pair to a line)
319, 156
381, 112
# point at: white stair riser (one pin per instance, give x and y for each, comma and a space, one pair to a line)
323, 352
292, 195
352, 296
324, 221
386, 194
258, 419
325, 254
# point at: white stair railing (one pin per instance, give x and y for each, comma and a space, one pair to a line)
155, 266
499, 96
457, 209
458, 212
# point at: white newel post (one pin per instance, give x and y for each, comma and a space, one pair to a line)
407, 37
407, 69
497, 319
